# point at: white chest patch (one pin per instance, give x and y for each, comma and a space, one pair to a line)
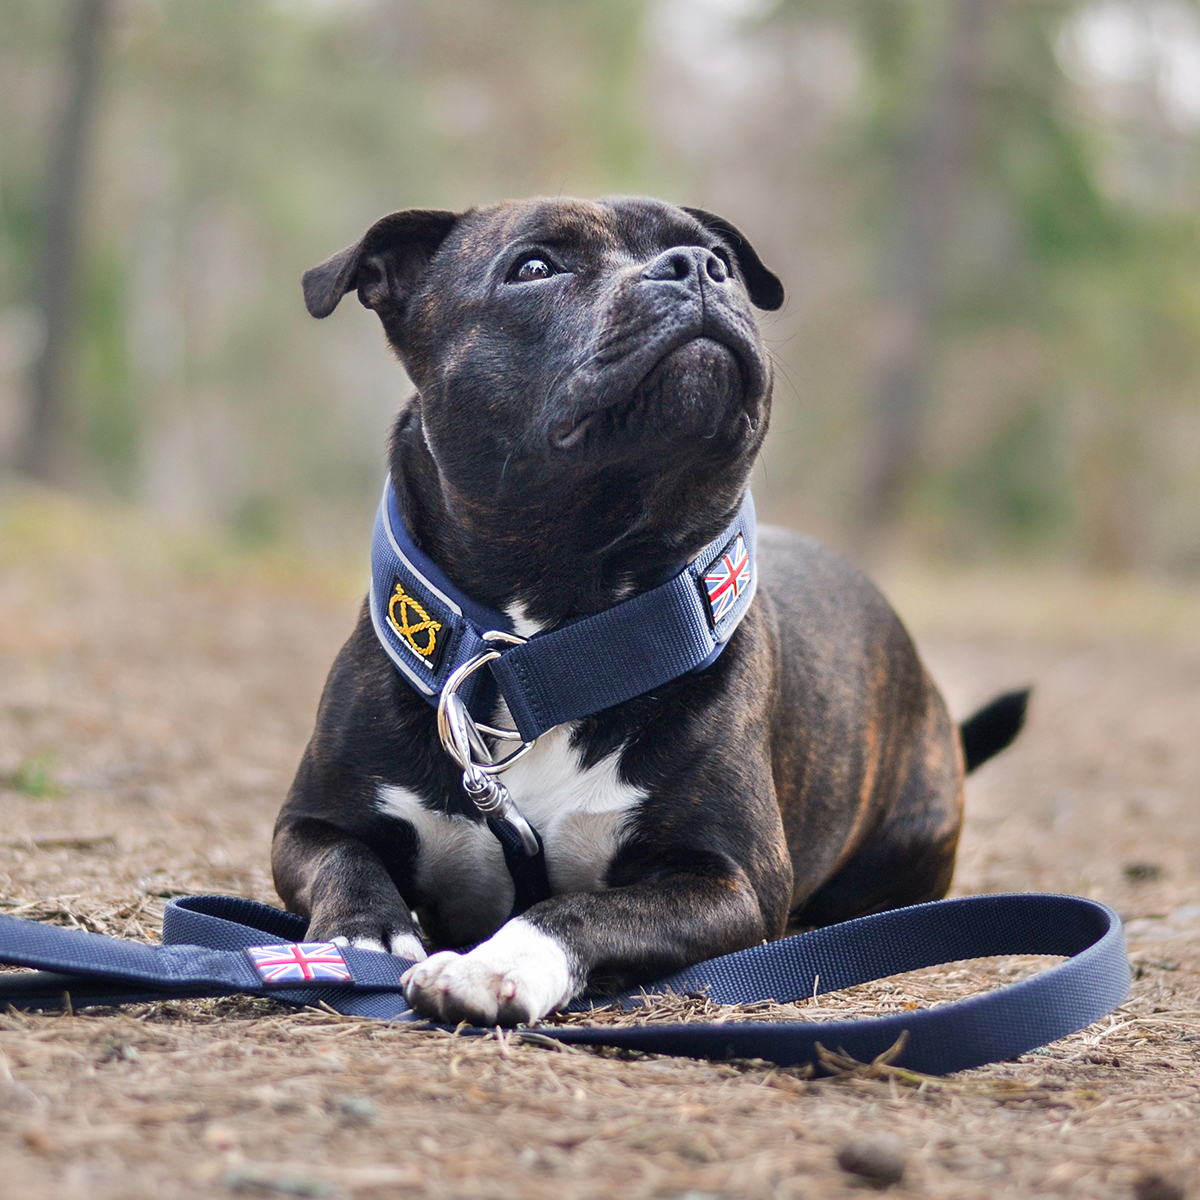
581, 815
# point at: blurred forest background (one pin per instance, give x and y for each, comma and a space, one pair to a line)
985, 212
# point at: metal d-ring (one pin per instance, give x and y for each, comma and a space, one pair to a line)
462, 738
461, 735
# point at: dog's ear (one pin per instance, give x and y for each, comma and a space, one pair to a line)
384, 266
763, 285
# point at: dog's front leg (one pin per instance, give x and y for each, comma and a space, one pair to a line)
538, 962
344, 889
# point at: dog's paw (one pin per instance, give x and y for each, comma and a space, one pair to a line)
517, 976
408, 945
402, 945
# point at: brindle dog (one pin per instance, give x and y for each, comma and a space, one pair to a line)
591, 394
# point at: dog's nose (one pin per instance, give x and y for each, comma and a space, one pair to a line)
683, 264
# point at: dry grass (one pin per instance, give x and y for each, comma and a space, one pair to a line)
154, 697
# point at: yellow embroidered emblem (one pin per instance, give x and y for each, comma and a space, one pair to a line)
404, 626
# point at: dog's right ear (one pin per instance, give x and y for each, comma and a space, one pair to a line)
384, 266
763, 285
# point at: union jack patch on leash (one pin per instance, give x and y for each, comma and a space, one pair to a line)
728, 578
300, 962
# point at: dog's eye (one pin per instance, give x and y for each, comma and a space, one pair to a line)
533, 269
725, 257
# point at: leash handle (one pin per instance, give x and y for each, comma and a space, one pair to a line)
206, 939
987, 1027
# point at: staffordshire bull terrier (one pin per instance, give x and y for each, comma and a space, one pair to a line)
591, 395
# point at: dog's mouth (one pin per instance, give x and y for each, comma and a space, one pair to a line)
694, 388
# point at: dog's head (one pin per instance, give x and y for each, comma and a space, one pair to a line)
599, 361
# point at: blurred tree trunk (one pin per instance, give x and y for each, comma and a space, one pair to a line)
929, 179
42, 453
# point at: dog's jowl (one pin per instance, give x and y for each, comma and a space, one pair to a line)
723, 733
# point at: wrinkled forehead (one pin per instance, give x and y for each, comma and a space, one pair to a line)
634, 225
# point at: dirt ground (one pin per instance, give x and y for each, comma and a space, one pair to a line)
155, 693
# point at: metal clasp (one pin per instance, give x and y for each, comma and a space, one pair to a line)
462, 738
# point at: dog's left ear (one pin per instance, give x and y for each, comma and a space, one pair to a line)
384, 266
764, 286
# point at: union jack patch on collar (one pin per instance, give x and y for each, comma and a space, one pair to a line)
728, 578
300, 962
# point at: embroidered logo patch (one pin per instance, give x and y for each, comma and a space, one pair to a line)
300, 962
413, 625
728, 578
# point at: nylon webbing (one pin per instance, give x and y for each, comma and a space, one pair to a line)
562, 674
205, 939
531, 884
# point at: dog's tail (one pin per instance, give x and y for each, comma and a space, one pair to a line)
994, 727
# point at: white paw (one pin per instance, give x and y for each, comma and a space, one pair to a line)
404, 945
408, 945
359, 943
517, 976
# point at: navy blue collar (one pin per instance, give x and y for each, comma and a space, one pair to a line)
429, 629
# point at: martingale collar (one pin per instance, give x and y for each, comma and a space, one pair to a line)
430, 628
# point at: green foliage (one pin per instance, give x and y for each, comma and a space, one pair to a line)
1099, 279
35, 777
30, 37
257, 522
240, 141
110, 412
1014, 493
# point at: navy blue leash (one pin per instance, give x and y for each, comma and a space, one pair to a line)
222, 945
530, 880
